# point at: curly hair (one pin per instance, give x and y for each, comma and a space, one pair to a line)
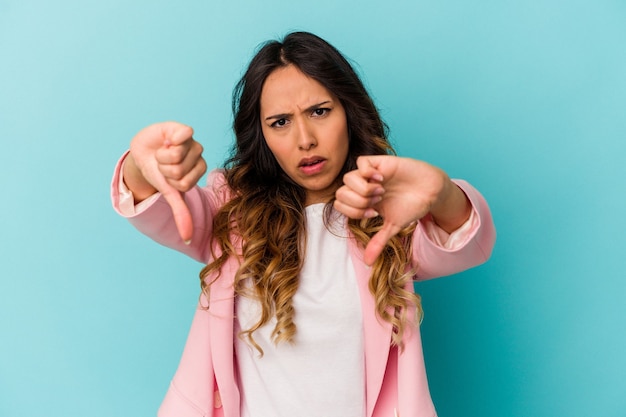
266, 212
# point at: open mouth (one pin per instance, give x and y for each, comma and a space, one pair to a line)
312, 166
311, 162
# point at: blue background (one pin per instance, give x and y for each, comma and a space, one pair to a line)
525, 99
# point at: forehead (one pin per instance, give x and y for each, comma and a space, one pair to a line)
287, 89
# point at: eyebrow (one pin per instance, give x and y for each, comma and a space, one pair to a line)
308, 109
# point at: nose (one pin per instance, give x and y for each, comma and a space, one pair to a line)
306, 136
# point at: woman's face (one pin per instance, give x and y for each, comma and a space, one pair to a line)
305, 127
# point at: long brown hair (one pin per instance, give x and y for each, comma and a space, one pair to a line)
266, 212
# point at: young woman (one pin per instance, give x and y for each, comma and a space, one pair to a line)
312, 235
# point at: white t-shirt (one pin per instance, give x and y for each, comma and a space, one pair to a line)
322, 373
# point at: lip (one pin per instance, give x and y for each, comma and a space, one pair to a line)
311, 165
310, 160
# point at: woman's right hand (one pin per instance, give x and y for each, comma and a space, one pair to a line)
164, 157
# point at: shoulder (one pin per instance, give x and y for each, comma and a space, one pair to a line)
217, 185
216, 177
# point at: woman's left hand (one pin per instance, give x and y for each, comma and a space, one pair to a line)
401, 191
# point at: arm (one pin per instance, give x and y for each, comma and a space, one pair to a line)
164, 164
153, 217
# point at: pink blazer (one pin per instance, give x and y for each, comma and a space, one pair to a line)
205, 383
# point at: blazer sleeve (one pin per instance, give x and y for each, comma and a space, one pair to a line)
433, 260
156, 221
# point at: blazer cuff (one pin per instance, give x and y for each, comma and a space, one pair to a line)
122, 198
450, 241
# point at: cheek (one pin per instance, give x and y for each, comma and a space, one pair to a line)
341, 127
342, 139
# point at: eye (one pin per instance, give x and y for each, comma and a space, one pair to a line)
322, 111
279, 123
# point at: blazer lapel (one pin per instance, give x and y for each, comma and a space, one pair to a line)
377, 332
221, 312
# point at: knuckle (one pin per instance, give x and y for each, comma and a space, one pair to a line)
188, 130
177, 154
185, 184
177, 172
203, 167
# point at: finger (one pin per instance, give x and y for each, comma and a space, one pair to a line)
176, 141
359, 183
348, 196
368, 168
378, 242
354, 212
172, 154
176, 171
189, 179
174, 133
181, 213
176, 154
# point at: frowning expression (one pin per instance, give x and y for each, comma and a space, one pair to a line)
306, 129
